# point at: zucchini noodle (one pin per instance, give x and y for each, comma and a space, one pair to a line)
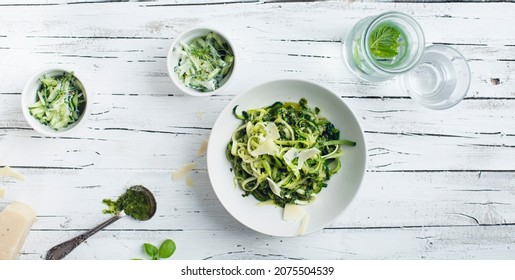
284, 153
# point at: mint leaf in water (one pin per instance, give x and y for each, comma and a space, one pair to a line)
384, 41
167, 249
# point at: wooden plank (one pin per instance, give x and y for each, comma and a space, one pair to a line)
7, 3
125, 55
471, 242
71, 199
467, 137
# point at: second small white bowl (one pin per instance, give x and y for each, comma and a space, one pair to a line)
173, 60
29, 97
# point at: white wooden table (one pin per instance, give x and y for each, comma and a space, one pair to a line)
439, 184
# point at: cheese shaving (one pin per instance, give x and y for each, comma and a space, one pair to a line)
274, 187
2, 193
189, 181
203, 148
303, 225
305, 155
295, 213
9, 172
183, 171
268, 147
272, 132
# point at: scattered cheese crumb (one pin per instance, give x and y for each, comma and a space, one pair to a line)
203, 148
189, 181
183, 171
2, 193
200, 115
9, 172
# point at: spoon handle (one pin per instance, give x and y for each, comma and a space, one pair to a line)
60, 251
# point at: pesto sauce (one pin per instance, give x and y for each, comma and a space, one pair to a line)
133, 202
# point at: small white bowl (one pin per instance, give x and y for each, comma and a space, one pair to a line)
29, 97
173, 57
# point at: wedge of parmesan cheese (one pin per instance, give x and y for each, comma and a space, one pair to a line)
15, 223
9, 172
2, 193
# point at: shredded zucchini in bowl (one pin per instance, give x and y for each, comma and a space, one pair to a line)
60, 101
284, 153
204, 62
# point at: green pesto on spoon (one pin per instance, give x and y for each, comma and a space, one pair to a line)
137, 202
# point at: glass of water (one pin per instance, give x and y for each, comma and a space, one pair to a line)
441, 79
392, 44
380, 47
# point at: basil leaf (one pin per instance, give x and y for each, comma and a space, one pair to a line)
167, 249
151, 251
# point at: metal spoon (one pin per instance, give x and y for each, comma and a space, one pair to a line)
60, 251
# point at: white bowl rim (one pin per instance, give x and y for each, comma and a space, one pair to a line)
173, 75
27, 89
232, 104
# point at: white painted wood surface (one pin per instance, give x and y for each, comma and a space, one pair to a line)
439, 185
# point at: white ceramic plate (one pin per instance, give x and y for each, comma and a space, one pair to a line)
331, 201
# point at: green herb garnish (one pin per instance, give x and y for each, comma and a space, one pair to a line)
151, 251
165, 251
384, 41
59, 102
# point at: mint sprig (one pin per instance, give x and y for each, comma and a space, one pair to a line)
384, 41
